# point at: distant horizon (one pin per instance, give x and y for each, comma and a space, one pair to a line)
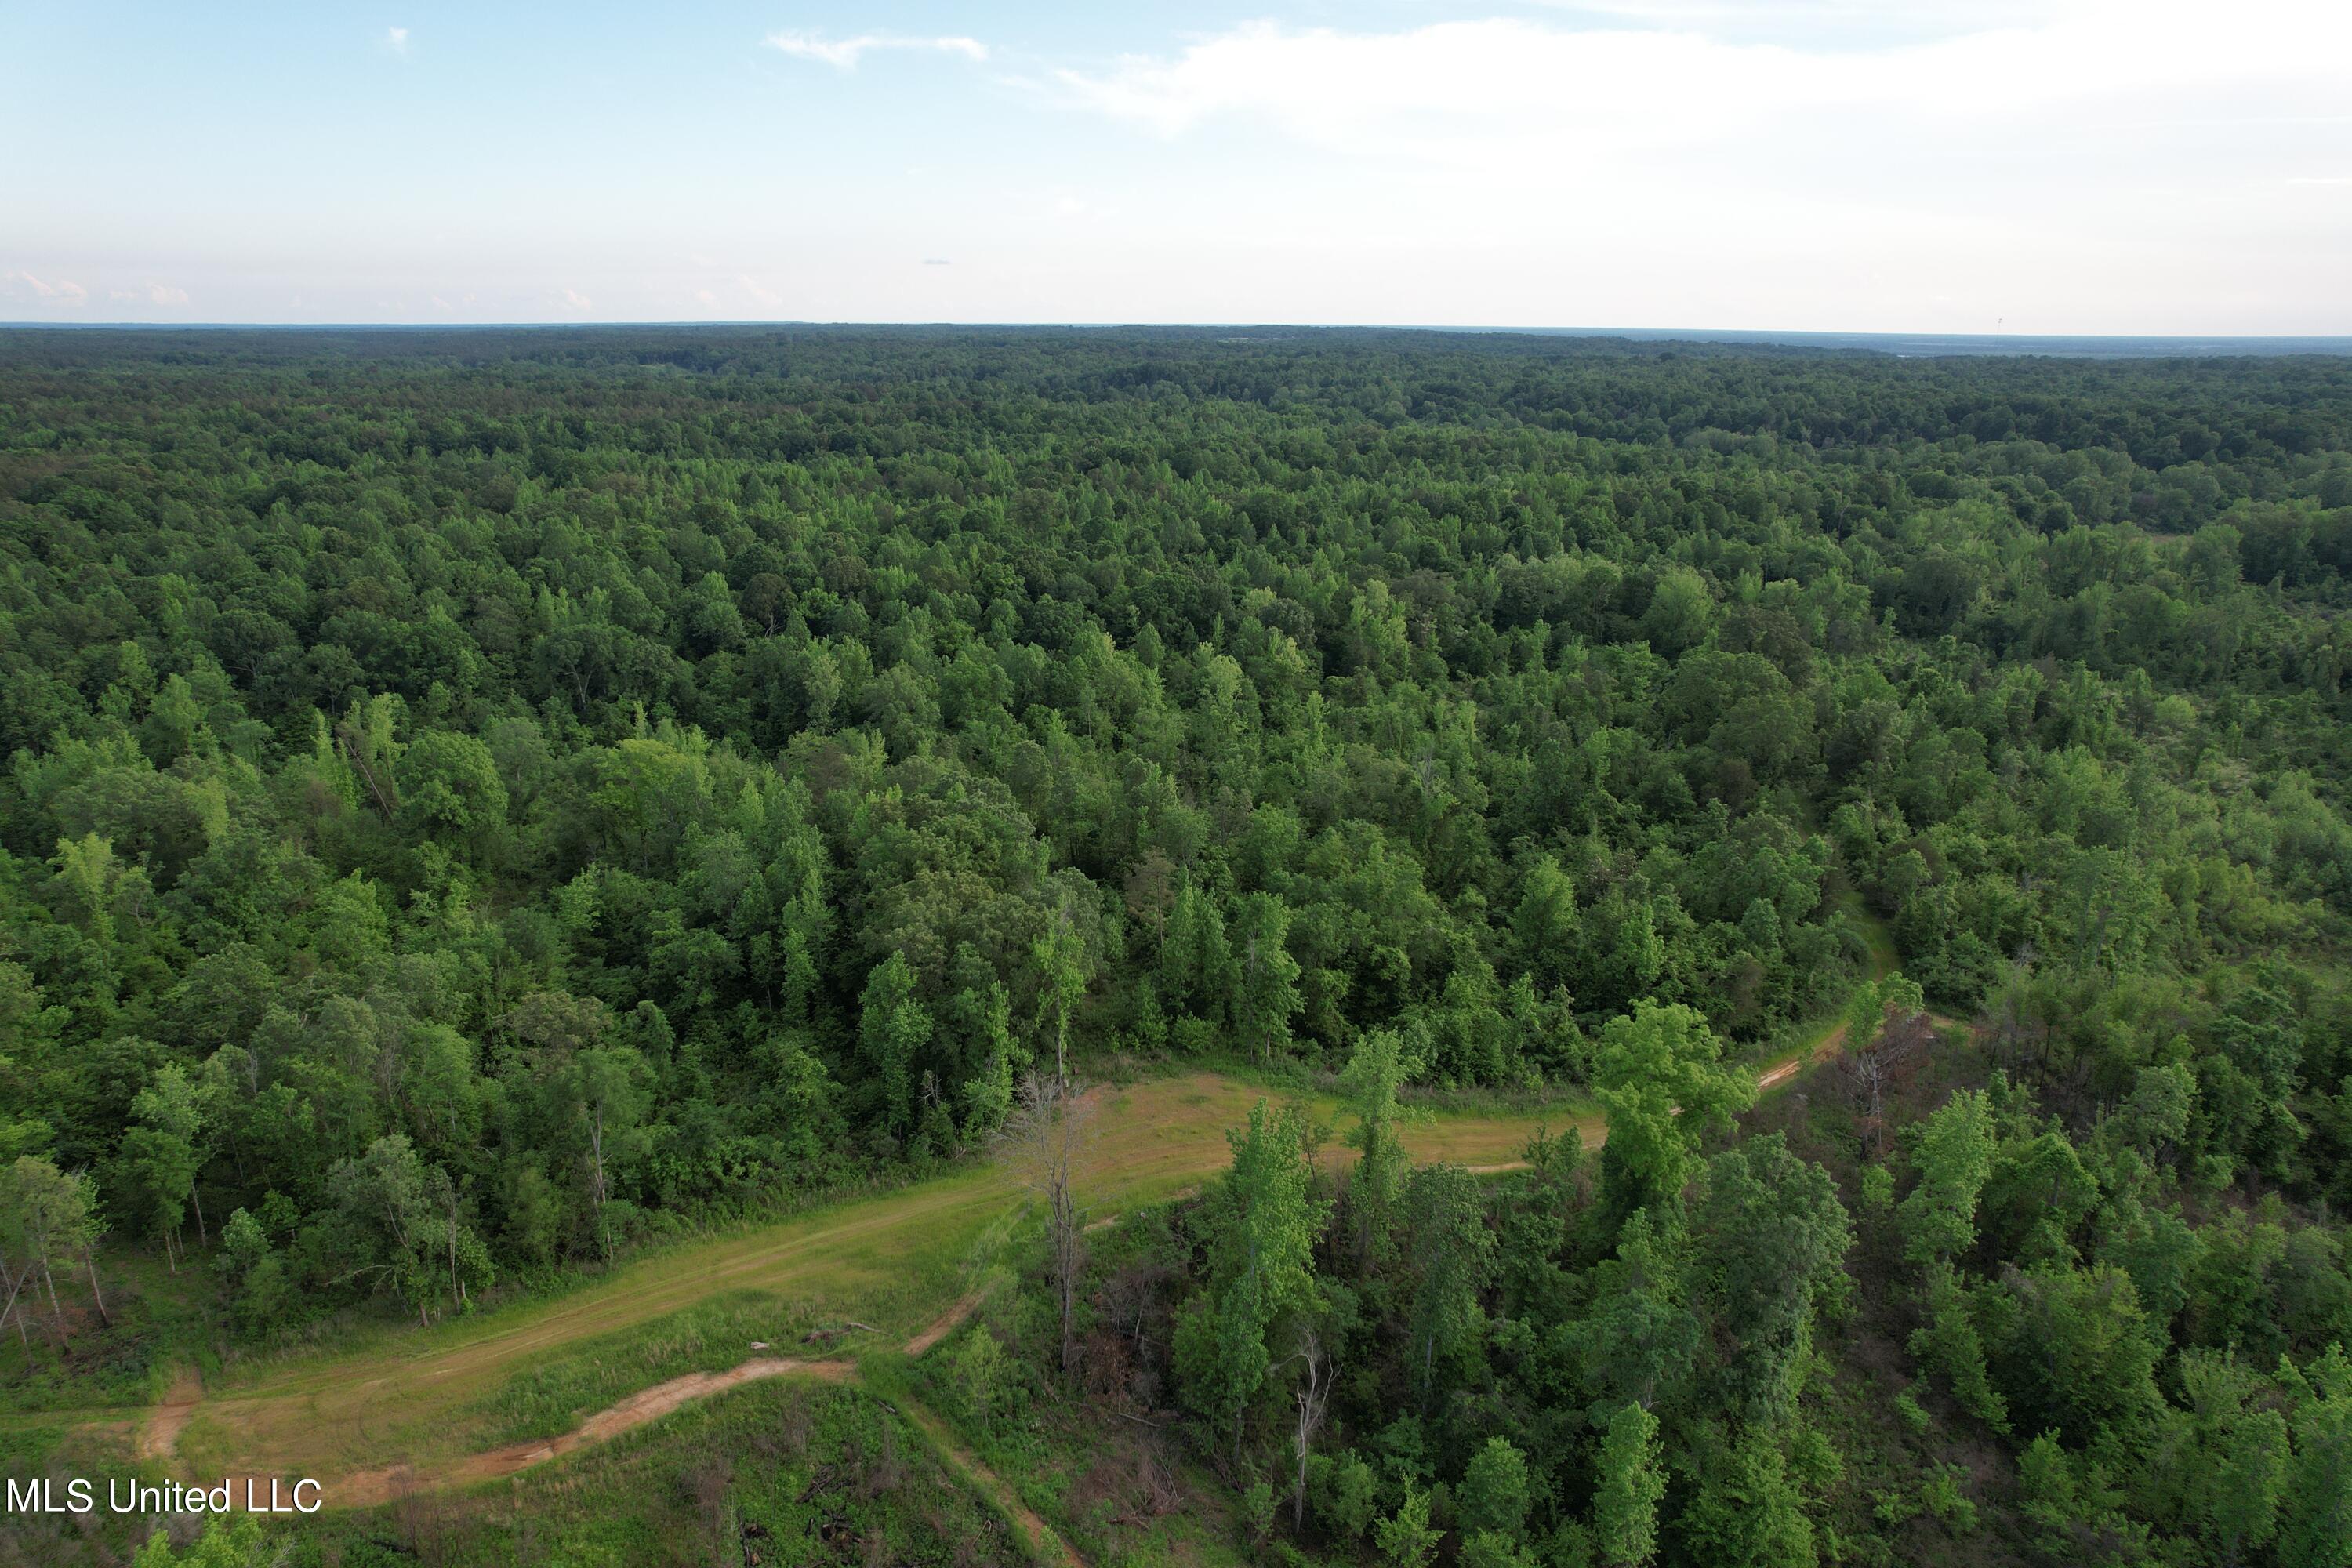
2021, 343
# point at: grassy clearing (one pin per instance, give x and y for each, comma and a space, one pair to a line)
773, 1473
557, 1393
532, 1369
769, 1474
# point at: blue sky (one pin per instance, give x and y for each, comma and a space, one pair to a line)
1946, 165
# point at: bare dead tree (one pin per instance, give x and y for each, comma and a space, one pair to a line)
1048, 1130
1313, 1395
1872, 1064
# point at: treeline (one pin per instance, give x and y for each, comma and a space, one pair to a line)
473, 796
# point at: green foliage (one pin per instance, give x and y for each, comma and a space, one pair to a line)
1945, 1494
1450, 1254
230, 1542
1260, 1229
1949, 1344
2316, 1532
1954, 1157
983, 1376
1375, 1070
1493, 1496
1627, 1489
1773, 1241
1747, 1510
1266, 977
1405, 1539
1346, 1495
1659, 1079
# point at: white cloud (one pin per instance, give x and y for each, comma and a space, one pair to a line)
705, 297
62, 294
575, 300
1780, 18
396, 40
843, 54
767, 299
1464, 91
2116, 164
165, 294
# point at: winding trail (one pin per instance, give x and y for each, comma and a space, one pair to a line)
420, 1395
1045, 1543
159, 1433
369, 1488
366, 1489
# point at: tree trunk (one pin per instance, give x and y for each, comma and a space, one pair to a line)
1312, 1400
457, 1284
596, 1146
57, 1313
203, 1238
89, 1259
14, 1286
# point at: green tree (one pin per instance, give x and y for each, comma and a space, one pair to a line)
387, 1212
1405, 1539
1954, 1157
1773, 1241
1747, 1510
1640, 1342
610, 1088
1947, 1343
1260, 1226
1627, 1489
2073, 1353
1196, 963
449, 787
1679, 610
2230, 1475
2315, 1525
1377, 1068
1061, 959
1660, 1078
46, 1215
228, 1541
1265, 992
893, 1030
1493, 1495
164, 1152
1450, 1254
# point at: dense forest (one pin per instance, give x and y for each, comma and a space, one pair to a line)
478, 801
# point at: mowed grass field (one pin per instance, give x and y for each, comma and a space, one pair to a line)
535, 1368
